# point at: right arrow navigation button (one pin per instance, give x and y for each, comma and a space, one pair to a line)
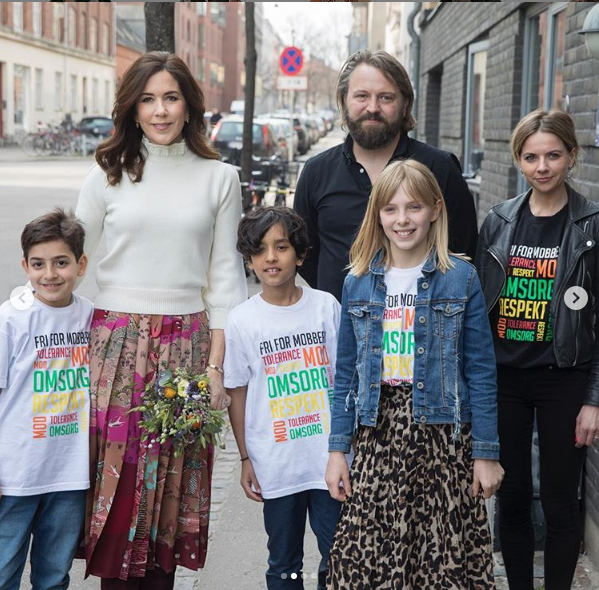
576, 298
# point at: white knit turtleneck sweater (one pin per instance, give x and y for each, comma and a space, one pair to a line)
170, 238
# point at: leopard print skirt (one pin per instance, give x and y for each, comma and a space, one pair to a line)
411, 522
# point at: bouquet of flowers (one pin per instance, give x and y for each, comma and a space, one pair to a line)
177, 407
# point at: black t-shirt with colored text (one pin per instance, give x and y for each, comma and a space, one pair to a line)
522, 321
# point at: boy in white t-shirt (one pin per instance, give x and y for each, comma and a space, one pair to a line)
279, 363
44, 410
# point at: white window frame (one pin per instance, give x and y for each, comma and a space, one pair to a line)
37, 19
553, 9
58, 91
93, 34
473, 49
73, 94
17, 17
107, 105
95, 92
39, 89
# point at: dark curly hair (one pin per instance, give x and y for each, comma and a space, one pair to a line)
253, 227
122, 151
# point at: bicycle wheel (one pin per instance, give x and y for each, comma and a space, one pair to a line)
29, 144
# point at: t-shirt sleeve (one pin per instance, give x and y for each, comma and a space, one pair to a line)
236, 365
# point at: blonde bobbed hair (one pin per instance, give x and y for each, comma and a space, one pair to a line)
421, 185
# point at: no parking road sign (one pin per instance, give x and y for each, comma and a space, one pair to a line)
291, 61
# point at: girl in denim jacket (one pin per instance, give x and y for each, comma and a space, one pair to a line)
415, 385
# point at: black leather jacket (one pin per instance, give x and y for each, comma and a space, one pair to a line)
576, 333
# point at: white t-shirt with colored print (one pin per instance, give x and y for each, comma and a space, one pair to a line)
398, 325
44, 398
286, 357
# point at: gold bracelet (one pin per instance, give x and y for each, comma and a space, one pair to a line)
215, 367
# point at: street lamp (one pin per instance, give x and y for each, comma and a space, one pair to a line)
590, 29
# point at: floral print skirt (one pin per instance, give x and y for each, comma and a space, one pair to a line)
146, 508
411, 521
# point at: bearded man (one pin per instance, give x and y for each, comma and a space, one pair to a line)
375, 98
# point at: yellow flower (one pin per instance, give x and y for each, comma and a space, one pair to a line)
202, 384
182, 389
169, 392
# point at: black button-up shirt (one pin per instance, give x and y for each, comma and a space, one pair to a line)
332, 194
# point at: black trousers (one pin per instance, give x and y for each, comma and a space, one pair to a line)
556, 396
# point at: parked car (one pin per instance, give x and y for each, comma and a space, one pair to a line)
92, 131
227, 138
302, 133
96, 126
282, 129
312, 129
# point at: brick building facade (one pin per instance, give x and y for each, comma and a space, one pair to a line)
54, 59
508, 59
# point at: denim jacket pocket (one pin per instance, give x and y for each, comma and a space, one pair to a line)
448, 317
360, 317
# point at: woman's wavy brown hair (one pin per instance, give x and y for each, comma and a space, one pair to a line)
122, 151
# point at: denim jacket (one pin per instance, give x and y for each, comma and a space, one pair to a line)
454, 362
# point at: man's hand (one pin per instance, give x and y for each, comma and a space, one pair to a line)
337, 476
488, 476
249, 479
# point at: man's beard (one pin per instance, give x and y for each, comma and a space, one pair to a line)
372, 138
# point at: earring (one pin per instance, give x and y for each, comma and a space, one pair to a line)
569, 173
522, 173
187, 120
137, 124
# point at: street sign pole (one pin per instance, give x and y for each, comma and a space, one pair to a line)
291, 62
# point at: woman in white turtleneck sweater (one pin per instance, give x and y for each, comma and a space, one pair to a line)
168, 209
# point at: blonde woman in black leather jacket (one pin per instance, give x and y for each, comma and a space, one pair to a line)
538, 259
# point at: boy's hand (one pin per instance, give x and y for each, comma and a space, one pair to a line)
337, 476
488, 476
249, 479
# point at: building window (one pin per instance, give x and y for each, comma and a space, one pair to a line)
474, 146
58, 91
543, 68
21, 95
72, 27
57, 22
73, 103
105, 39
201, 74
188, 30
201, 8
107, 105
544, 40
37, 19
17, 17
95, 91
83, 30
93, 35
201, 37
39, 89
